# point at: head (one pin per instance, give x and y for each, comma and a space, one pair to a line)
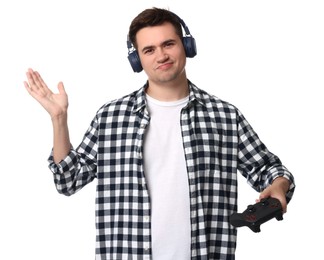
152, 18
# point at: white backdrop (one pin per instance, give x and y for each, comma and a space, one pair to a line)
265, 57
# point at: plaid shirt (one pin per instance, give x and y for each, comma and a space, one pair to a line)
218, 142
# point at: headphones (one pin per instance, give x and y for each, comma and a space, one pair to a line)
188, 41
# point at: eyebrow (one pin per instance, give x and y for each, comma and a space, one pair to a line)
163, 43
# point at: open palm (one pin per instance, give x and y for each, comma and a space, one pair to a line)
55, 104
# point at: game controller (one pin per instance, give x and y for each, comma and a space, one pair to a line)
257, 214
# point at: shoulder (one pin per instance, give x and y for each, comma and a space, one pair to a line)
122, 105
212, 102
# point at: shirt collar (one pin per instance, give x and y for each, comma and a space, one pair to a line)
195, 94
139, 99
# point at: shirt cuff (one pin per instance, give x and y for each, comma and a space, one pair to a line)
67, 164
292, 185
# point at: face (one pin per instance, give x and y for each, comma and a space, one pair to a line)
161, 53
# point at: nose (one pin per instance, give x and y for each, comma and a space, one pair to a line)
162, 56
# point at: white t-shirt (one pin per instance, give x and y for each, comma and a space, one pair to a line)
166, 174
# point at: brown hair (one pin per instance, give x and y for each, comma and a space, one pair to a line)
153, 17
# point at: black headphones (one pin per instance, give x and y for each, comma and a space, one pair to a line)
188, 41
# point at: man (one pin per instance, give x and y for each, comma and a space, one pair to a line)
166, 156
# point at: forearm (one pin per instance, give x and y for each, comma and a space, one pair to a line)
61, 138
282, 183
72, 168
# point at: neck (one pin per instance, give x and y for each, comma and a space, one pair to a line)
170, 91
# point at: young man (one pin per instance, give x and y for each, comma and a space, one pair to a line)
165, 157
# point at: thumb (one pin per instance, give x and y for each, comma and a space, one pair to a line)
61, 88
263, 195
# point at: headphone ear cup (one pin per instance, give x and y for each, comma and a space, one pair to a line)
189, 44
135, 61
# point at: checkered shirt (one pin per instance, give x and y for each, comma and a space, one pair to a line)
218, 143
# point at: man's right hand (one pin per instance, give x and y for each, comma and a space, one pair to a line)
55, 104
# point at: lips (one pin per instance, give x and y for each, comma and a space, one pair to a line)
164, 66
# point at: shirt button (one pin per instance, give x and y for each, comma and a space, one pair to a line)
142, 126
146, 218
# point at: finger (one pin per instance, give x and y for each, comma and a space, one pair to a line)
30, 90
30, 78
42, 85
38, 84
265, 194
27, 87
61, 88
35, 79
40, 80
283, 204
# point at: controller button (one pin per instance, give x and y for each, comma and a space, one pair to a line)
264, 202
251, 208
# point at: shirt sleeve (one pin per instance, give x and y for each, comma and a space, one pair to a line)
79, 167
256, 163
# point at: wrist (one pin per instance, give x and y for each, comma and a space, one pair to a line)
282, 182
59, 119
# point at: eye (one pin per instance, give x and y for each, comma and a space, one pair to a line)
148, 51
169, 44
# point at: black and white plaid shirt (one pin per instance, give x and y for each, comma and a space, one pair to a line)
218, 142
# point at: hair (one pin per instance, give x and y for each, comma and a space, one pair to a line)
153, 17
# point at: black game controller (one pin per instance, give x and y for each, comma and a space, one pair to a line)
257, 214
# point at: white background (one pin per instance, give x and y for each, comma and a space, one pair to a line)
265, 57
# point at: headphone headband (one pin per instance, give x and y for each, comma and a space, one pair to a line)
183, 24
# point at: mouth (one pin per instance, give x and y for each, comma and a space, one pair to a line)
164, 66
